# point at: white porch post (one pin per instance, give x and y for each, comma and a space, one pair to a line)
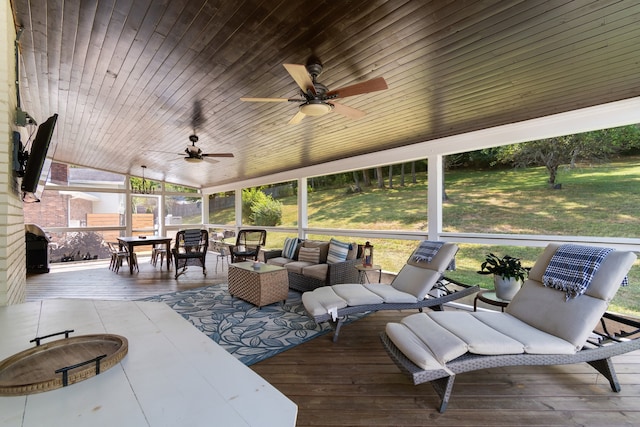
238, 203
303, 220
435, 181
205, 207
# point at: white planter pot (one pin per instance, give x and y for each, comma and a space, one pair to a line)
506, 289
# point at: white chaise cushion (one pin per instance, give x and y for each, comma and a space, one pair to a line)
478, 336
548, 310
390, 294
415, 280
356, 294
321, 300
412, 347
443, 345
534, 341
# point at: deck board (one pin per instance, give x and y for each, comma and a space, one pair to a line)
354, 383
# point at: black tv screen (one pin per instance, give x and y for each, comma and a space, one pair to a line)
38, 153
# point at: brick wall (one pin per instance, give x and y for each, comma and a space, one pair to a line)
52, 211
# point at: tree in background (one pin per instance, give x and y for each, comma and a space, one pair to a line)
595, 146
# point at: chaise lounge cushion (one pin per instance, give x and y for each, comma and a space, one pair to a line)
547, 309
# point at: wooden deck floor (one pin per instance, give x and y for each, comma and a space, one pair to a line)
354, 383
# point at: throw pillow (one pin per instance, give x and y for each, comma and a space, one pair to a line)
311, 255
337, 251
289, 249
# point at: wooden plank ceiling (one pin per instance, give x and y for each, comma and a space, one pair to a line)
125, 76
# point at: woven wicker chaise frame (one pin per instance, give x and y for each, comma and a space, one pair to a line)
442, 381
539, 327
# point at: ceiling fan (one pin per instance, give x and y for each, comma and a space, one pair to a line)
317, 99
195, 154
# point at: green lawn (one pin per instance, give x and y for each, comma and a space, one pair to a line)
595, 200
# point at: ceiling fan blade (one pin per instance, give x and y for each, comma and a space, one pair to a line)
301, 76
297, 118
265, 99
217, 154
372, 85
348, 112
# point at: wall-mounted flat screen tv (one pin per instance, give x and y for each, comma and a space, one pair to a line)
35, 162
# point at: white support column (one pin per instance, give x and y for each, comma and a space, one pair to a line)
303, 219
434, 196
238, 204
205, 207
128, 215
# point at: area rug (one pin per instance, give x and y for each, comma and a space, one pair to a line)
248, 333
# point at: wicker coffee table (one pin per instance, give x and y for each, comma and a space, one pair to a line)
262, 286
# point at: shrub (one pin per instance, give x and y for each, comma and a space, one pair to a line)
266, 212
260, 209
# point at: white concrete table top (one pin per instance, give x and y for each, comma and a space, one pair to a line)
173, 375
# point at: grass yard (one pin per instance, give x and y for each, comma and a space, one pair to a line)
595, 200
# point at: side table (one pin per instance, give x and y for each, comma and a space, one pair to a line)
363, 270
489, 296
263, 286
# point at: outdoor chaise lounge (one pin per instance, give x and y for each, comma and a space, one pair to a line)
419, 284
550, 321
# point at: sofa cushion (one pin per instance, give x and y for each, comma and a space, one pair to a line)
317, 271
324, 248
311, 255
338, 251
289, 248
297, 266
279, 261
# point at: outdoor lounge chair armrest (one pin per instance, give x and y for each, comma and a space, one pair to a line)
343, 272
271, 253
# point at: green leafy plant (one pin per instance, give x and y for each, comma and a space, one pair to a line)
505, 267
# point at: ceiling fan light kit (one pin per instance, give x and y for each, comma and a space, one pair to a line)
315, 107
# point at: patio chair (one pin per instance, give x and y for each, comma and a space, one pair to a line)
419, 284
546, 323
119, 254
248, 244
190, 249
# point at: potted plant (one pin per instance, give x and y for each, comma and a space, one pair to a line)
508, 274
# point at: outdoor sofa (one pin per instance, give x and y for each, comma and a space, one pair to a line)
550, 321
312, 264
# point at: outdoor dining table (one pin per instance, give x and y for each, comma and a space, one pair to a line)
131, 241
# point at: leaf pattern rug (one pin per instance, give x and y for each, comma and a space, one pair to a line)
248, 333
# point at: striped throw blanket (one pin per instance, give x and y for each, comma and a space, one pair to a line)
426, 250
572, 268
